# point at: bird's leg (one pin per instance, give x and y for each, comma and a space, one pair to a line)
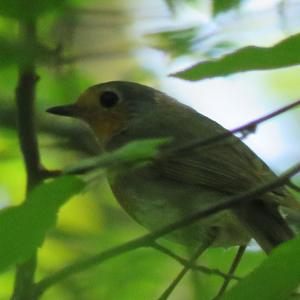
233, 267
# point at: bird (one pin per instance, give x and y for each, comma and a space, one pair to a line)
174, 186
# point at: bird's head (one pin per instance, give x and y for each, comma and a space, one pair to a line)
108, 108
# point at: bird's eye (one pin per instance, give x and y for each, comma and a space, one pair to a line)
108, 99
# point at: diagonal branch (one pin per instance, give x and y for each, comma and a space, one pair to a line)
184, 262
231, 272
165, 295
245, 129
148, 239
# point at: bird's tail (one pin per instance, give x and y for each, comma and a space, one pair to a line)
265, 224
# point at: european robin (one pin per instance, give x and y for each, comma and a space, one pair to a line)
180, 184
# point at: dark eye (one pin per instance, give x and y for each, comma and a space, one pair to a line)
108, 99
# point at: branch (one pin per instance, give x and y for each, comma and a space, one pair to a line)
245, 129
231, 272
165, 295
25, 96
148, 239
184, 262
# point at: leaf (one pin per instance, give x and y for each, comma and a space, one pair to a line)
275, 279
176, 42
221, 6
131, 153
281, 55
23, 227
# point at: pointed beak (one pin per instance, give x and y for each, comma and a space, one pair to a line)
65, 110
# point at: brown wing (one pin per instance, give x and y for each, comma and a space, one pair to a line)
229, 167
220, 167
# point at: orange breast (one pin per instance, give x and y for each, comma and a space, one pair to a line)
107, 125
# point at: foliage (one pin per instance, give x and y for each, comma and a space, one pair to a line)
284, 54
176, 42
136, 152
224, 6
267, 281
23, 227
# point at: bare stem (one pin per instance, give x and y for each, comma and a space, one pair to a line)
232, 270
199, 268
244, 129
25, 96
165, 295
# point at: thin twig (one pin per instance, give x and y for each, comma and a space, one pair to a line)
165, 295
232, 270
249, 127
149, 238
184, 262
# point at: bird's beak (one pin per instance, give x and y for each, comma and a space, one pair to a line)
65, 110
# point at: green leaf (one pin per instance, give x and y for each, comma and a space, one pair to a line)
176, 42
29, 9
22, 228
221, 6
275, 279
284, 54
130, 154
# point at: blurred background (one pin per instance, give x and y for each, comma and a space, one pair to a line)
144, 41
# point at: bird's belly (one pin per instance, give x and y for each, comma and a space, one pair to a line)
155, 202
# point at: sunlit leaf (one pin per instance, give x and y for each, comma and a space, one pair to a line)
220, 6
176, 42
275, 279
283, 54
22, 228
134, 152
